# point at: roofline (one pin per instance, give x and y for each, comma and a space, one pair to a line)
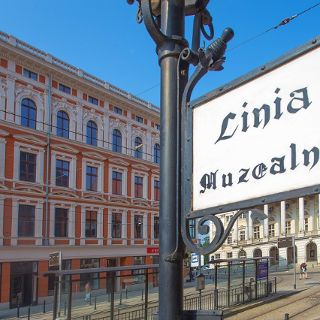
66, 67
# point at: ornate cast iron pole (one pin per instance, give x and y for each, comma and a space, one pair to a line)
164, 20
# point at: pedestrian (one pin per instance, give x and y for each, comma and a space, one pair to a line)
303, 271
87, 289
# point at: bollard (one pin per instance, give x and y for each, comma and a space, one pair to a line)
120, 301
286, 316
44, 306
126, 293
95, 302
29, 313
142, 294
18, 311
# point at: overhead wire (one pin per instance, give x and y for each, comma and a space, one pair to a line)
283, 22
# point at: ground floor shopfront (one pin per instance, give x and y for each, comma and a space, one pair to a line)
23, 282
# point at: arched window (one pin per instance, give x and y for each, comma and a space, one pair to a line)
156, 153
62, 124
116, 141
28, 113
138, 147
92, 133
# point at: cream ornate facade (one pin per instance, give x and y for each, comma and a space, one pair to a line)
298, 218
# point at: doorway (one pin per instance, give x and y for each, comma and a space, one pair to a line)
23, 282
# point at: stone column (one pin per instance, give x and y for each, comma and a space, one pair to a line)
282, 217
250, 226
11, 100
301, 214
266, 221
100, 226
38, 223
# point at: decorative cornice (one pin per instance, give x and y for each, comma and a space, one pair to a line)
29, 139
64, 148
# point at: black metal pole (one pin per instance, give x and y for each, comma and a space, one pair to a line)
55, 298
69, 299
171, 272
229, 283
146, 288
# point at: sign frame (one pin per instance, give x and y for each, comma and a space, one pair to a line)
187, 146
285, 242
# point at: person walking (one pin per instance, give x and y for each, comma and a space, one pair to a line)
303, 271
87, 289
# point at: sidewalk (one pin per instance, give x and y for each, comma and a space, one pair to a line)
285, 290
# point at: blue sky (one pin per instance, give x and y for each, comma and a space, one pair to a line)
103, 38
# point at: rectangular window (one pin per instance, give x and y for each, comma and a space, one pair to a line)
242, 235
138, 187
91, 224
116, 225
28, 164
229, 239
271, 230
93, 100
62, 173
288, 227
91, 178
64, 88
26, 219
30, 74
139, 119
138, 227
156, 227
256, 232
61, 222
116, 182
117, 110
156, 190
306, 224
229, 255
158, 126
217, 256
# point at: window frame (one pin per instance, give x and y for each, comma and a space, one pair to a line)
138, 226
93, 178
116, 225
30, 74
116, 138
30, 174
64, 88
93, 100
27, 222
62, 222
139, 119
92, 223
62, 173
116, 182
63, 119
138, 186
92, 133
156, 224
117, 110
156, 153
156, 190
138, 148
28, 106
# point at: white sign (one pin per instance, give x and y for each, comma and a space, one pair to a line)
260, 138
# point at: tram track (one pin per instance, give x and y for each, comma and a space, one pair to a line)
303, 305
